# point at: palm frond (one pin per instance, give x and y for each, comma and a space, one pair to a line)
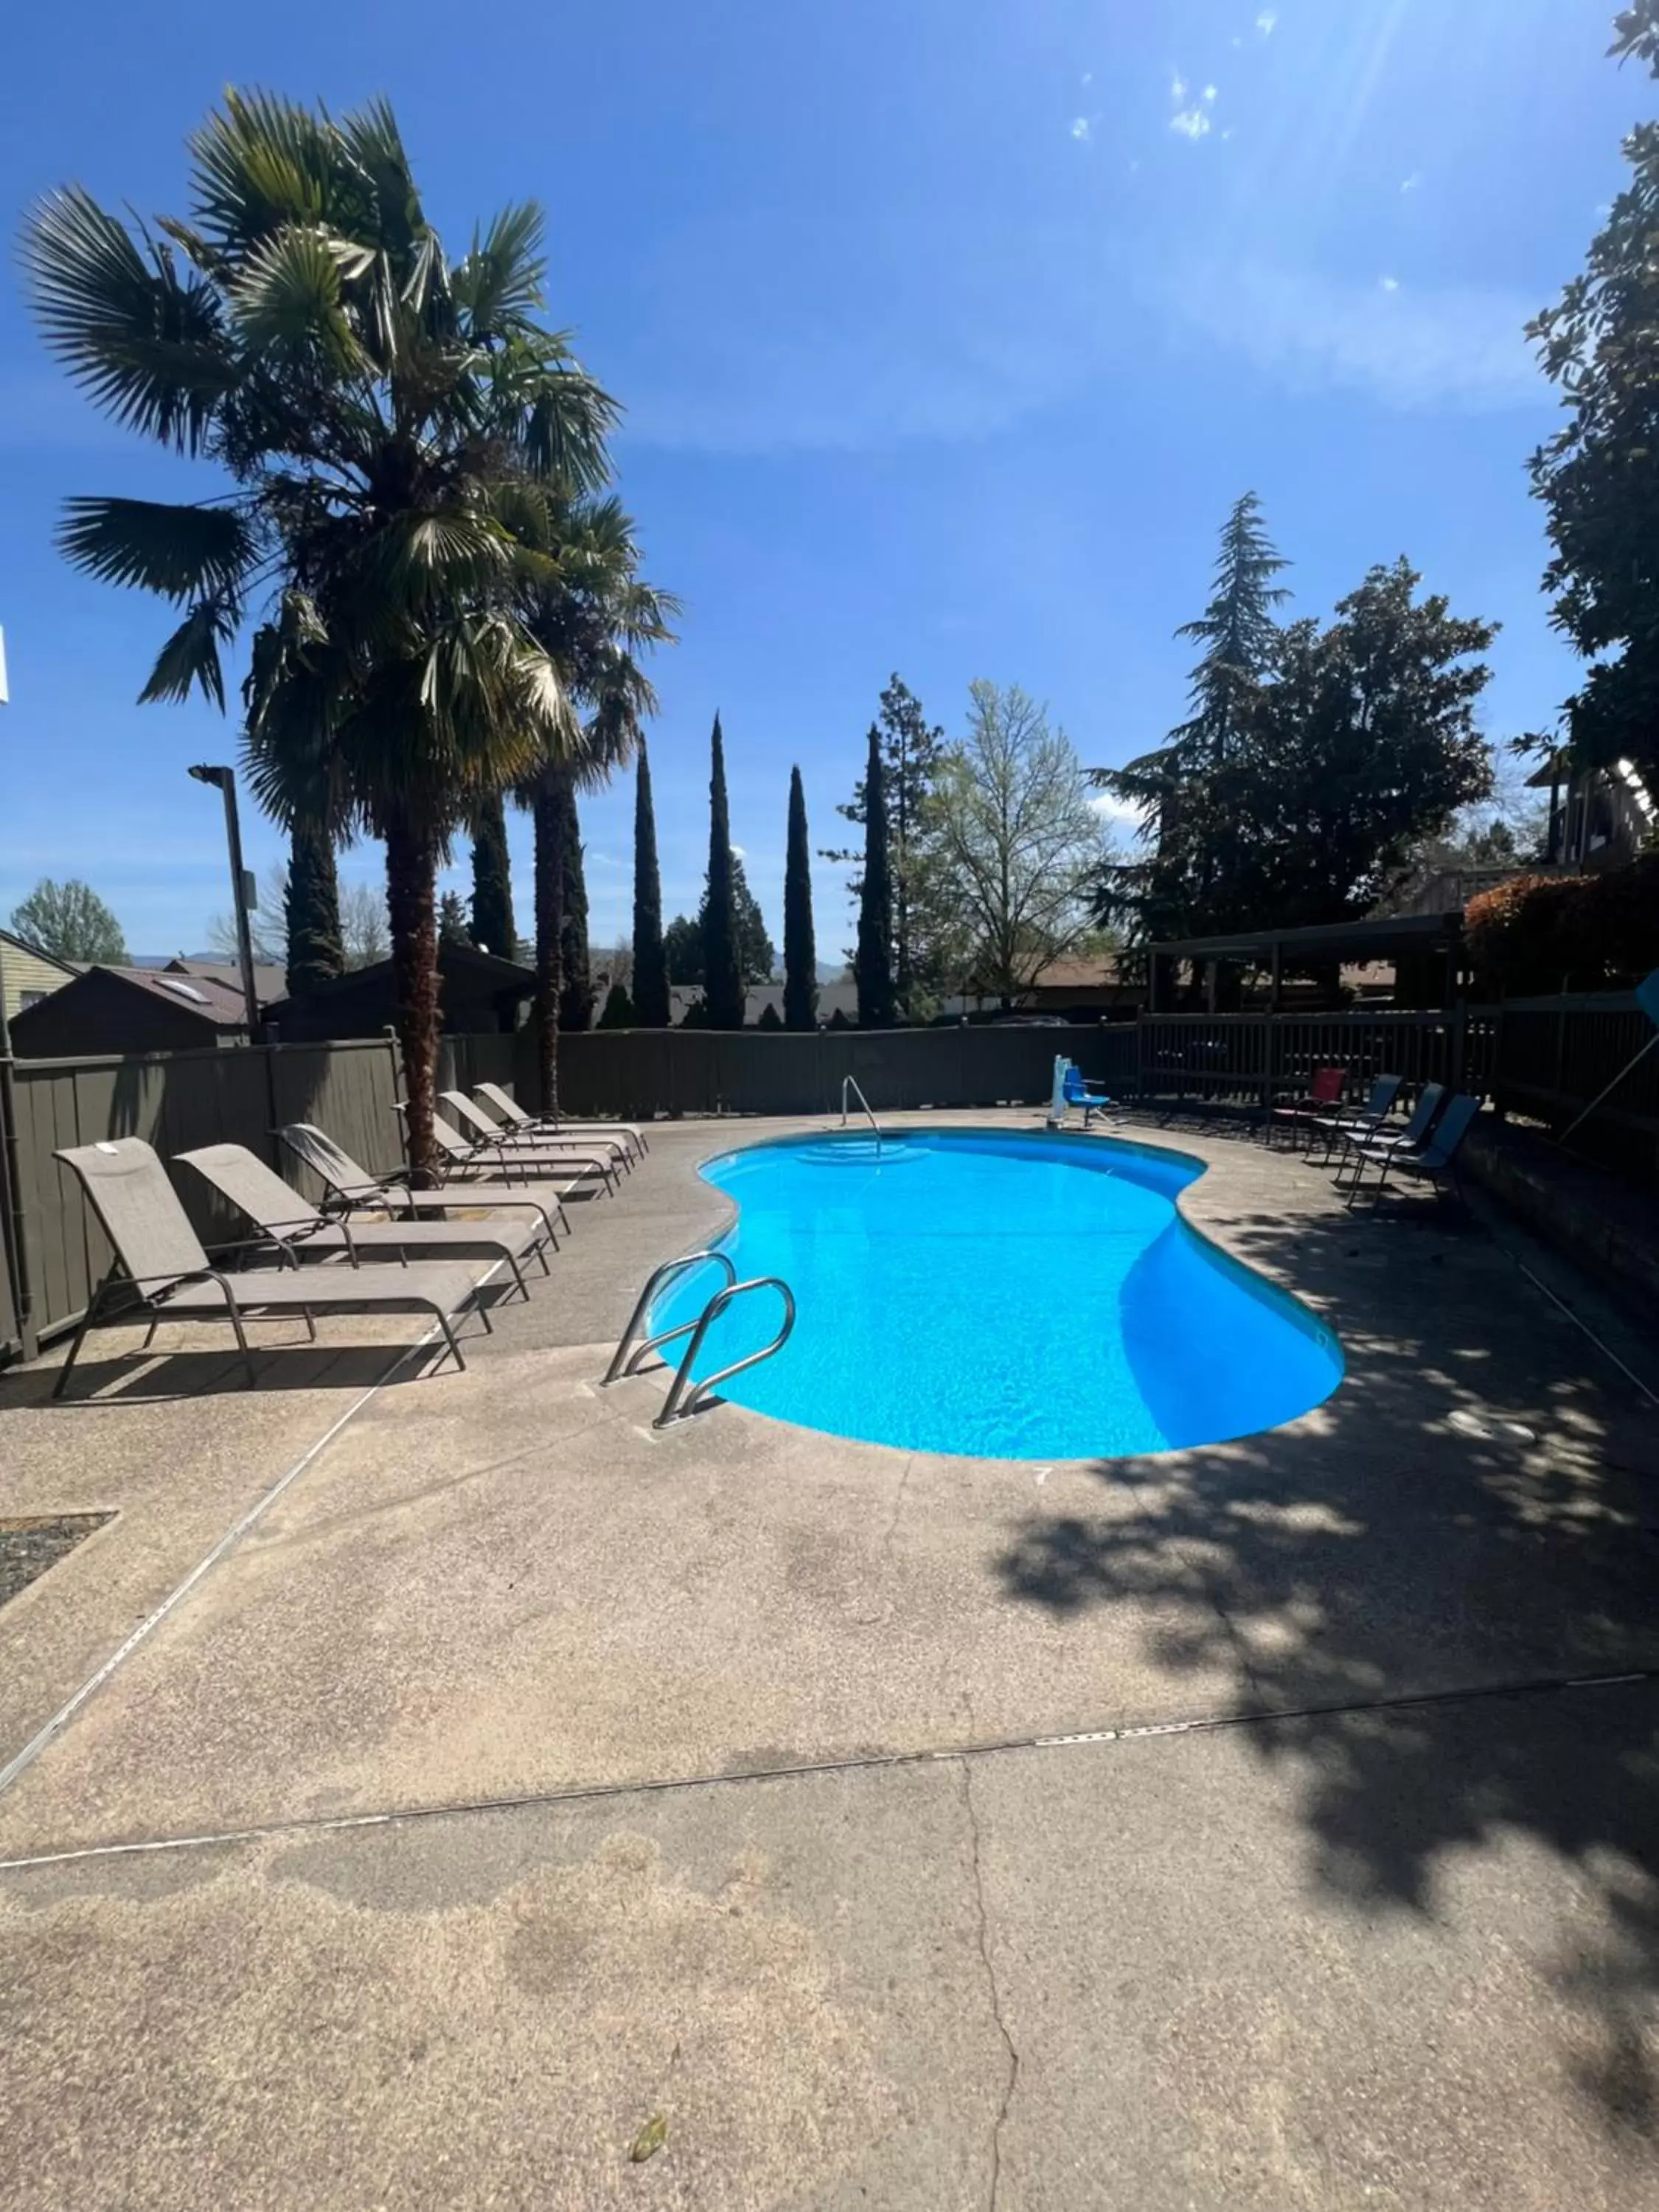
149, 348
190, 658
499, 284
288, 296
260, 164
184, 552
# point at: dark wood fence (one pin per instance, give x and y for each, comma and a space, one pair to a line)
1547, 1058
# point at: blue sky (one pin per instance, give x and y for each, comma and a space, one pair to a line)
948, 331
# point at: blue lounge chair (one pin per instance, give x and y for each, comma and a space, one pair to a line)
1076, 1092
1438, 1157
1371, 1116
1361, 1146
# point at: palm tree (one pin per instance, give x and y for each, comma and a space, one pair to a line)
376, 410
593, 617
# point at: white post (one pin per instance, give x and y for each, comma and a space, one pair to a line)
1057, 1096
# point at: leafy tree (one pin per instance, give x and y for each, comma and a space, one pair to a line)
650, 968
1018, 843
618, 1012
912, 750
683, 940
682, 945
493, 926
377, 408
1168, 892
1598, 476
1361, 744
872, 968
452, 920
71, 922
313, 948
722, 966
800, 959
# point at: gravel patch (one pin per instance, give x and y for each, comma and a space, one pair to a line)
28, 1546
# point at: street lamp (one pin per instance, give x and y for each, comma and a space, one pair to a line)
225, 779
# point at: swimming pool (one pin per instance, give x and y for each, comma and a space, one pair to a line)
1008, 1296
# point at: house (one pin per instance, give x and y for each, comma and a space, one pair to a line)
479, 994
29, 974
269, 978
1600, 817
122, 1010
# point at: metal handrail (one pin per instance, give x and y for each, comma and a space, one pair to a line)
673, 1409
850, 1083
667, 1335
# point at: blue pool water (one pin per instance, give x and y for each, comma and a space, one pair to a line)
1011, 1297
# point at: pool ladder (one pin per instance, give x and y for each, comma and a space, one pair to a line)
849, 1083
685, 1397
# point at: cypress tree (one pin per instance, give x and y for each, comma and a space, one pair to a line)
873, 965
315, 952
493, 926
576, 993
722, 969
651, 1005
452, 920
800, 958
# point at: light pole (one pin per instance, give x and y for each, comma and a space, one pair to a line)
226, 781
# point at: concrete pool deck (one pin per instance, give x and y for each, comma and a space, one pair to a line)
522, 1773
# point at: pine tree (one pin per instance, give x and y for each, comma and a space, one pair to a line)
316, 954
493, 925
722, 966
452, 920
619, 1010
1194, 845
913, 752
651, 1006
576, 992
800, 959
873, 969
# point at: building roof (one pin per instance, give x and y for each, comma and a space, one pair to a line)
219, 1005
270, 979
1383, 938
482, 974
22, 944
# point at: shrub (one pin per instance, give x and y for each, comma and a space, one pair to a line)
1542, 933
769, 1018
618, 1014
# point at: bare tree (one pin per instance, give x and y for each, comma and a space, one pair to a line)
267, 924
1016, 845
365, 936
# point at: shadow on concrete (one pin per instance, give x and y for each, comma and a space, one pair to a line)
1477, 1506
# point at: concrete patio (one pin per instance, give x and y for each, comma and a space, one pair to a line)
1273, 1823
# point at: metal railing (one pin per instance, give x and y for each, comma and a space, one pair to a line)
681, 1402
623, 1361
684, 1396
850, 1083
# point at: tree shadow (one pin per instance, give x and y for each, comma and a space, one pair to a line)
1476, 1510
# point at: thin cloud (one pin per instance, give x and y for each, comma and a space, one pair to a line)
1177, 89
1081, 130
1209, 92
1413, 183
1191, 122
1267, 22
1457, 348
1388, 283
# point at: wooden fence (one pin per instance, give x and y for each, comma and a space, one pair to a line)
1546, 1058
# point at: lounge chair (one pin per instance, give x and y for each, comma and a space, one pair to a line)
492, 1161
300, 1231
354, 1186
473, 1121
1324, 1096
1437, 1158
1363, 1146
1370, 1116
1074, 1091
503, 1103
162, 1265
